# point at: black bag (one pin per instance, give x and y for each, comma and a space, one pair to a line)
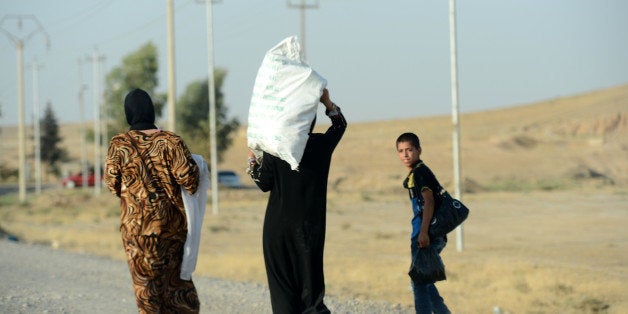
427, 266
449, 215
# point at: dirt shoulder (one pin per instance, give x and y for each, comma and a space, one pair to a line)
560, 251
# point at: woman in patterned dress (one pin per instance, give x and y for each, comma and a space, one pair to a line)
145, 168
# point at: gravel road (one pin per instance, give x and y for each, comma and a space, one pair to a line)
39, 279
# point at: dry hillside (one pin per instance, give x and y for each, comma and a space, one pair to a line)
551, 144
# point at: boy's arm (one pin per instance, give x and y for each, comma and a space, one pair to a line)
428, 212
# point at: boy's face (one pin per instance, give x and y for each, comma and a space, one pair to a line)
408, 154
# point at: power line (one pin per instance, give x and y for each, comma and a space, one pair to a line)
80, 16
244, 22
142, 29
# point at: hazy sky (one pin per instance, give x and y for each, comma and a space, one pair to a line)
382, 59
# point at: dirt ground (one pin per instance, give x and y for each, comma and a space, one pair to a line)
533, 252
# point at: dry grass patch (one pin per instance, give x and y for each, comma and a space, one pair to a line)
533, 252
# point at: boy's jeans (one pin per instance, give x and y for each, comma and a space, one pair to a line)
426, 297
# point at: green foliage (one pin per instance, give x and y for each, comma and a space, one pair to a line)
138, 70
50, 139
193, 117
5, 172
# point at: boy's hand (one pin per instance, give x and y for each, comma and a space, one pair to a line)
424, 239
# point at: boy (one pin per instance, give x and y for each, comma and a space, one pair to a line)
423, 187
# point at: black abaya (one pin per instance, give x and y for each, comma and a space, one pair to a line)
294, 226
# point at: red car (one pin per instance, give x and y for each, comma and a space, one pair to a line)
75, 180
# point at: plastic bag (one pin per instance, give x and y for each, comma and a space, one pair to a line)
427, 266
285, 98
194, 211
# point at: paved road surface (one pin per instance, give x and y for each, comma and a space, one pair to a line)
15, 189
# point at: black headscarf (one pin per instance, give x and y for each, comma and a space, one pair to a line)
139, 110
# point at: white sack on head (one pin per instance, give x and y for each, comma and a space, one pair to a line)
285, 98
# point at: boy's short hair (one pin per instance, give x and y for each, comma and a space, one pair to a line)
409, 137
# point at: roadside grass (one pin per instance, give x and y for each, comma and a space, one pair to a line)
366, 252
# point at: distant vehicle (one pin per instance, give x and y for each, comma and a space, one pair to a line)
76, 180
229, 179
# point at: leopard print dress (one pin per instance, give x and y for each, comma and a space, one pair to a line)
146, 170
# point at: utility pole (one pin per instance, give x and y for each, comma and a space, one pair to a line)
36, 126
19, 44
96, 59
303, 6
454, 113
171, 76
82, 131
105, 112
212, 107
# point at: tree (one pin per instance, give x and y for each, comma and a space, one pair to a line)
0, 127
3, 172
50, 139
193, 116
138, 70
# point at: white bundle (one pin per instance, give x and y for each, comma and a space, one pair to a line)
194, 212
285, 98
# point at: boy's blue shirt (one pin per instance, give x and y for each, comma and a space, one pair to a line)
416, 200
417, 209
